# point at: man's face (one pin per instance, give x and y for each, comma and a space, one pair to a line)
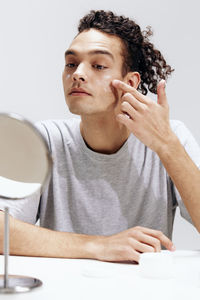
92, 61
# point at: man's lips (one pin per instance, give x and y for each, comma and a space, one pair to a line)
79, 91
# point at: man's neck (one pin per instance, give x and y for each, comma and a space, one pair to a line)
103, 134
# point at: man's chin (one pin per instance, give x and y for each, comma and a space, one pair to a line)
79, 111
75, 111
78, 107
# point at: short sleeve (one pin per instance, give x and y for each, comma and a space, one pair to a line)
193, 150
41, 127
25, 209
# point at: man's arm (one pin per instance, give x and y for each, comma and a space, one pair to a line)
184, 174
31, 240
149, 122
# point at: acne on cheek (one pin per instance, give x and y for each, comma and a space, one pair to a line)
68, 76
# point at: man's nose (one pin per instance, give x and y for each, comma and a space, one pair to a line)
80, 74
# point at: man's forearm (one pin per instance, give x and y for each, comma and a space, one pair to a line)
31, 240
185, 175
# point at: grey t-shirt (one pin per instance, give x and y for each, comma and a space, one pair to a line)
101, 194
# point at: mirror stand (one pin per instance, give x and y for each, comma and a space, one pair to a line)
14, 283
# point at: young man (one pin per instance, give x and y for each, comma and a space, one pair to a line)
119, 172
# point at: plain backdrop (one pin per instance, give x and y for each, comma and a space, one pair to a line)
35, 33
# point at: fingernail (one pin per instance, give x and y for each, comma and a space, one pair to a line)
173, 248
115, 81
163, 83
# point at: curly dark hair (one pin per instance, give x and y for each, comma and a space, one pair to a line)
139, 54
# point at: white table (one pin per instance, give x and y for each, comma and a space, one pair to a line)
80, 279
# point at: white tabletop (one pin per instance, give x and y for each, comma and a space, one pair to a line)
80, 279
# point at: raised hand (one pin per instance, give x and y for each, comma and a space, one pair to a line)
146, 119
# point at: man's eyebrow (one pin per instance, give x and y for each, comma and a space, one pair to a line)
70, 52
104, 52
92, 52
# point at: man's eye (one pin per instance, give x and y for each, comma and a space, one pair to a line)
70, 65
99, 67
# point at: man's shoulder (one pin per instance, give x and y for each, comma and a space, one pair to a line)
55, 126
58, 130
52, 124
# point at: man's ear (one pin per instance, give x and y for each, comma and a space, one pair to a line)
133, 79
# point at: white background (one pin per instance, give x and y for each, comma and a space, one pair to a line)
35, 33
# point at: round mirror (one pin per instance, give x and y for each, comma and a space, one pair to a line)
25, 161
25, 165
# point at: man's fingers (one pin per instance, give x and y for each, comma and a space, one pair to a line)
135, 256
125, 119
162, 98
118, 84
143, 247
151, 241
165, 241
128, 97
122, 86
127, 108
